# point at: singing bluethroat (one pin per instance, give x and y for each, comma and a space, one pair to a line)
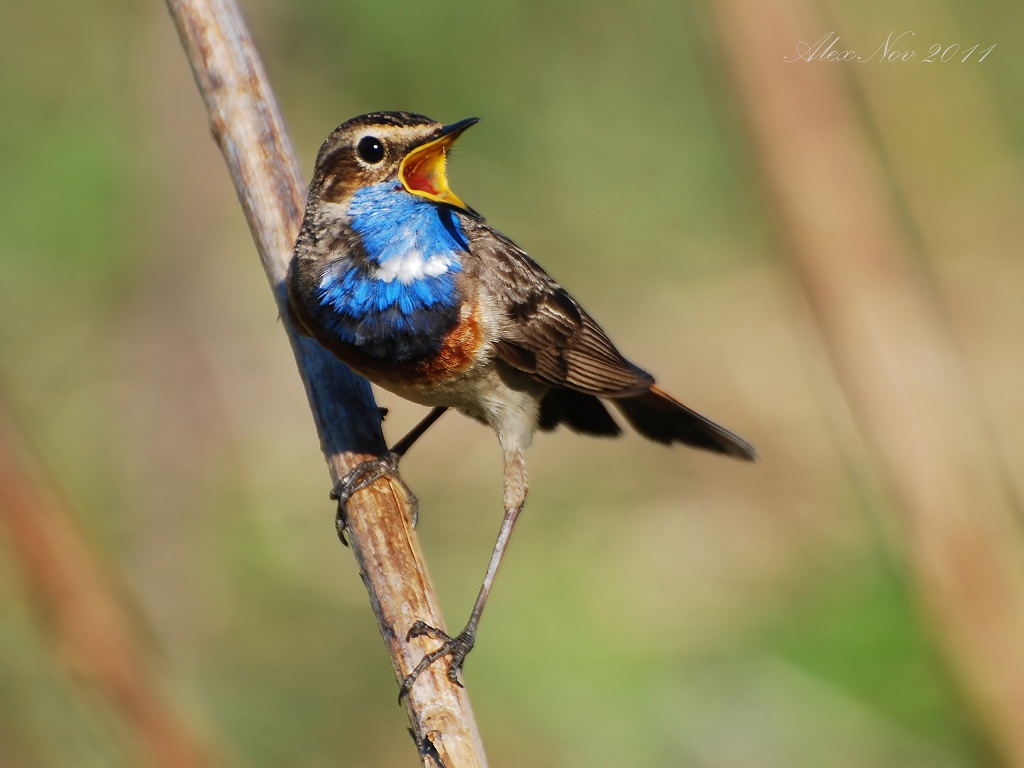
405, 283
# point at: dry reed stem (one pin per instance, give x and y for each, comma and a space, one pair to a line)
888, 343
93, 631
247, 126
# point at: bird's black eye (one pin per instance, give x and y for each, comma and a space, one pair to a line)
370, 150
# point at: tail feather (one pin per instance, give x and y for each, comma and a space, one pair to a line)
579, 412
660, 417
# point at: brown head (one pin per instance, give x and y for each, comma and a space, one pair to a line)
373, 148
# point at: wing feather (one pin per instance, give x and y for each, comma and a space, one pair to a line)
546, 333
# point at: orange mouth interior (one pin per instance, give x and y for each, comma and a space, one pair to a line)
423, 171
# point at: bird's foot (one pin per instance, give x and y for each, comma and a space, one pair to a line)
456, 647
363, 476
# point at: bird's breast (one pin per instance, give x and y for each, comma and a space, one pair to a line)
447, 375
389, 293
461, 349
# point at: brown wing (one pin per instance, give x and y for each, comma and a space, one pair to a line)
547, 333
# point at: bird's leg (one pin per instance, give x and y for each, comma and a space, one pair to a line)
370, 471
460, 645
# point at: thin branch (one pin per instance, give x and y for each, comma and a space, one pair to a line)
247, 126
893, 356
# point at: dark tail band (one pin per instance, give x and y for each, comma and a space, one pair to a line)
660, 417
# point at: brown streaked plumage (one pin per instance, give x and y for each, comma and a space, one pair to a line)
400, 279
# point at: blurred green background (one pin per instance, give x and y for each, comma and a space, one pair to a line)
691, 611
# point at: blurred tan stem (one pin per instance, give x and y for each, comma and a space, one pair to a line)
91, 627
888, 342
247, 126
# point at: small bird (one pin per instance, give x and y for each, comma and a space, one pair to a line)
406, 284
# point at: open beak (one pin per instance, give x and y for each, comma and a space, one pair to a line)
422, 171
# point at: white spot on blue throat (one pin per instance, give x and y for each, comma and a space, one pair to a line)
408, 237
412, 266
400, 301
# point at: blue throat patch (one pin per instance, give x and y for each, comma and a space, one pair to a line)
398, 304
